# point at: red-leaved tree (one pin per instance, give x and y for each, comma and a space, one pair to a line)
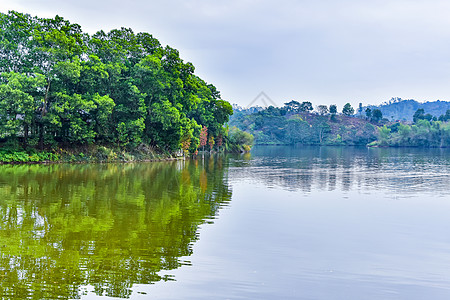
203, 137
219, 141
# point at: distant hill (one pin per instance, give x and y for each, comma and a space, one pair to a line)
277, 126
399, 109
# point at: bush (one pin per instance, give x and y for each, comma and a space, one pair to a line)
11, 156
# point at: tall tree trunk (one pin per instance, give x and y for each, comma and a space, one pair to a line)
41, 135
44, 109
43, 113
25, 135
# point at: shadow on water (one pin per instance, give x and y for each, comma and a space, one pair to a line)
403, 170
110, 226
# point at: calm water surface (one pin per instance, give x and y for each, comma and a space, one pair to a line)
279, 223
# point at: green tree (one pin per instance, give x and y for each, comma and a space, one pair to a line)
306, 106
419, 115
19, 103
322, 129
377, 115
239, 140
333, 109
348, 110
292, 106
404, 131
384, 134
368, 113
323, 109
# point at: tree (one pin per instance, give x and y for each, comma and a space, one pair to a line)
368, 113
239, 140
219, 140
203, 137
292, 106
211, 142
419, 115
323, 109
19, 103
185, 144
404, 131
306, 106
348, 110
377, 115
384, 134
322, 128
429, 117
333, 109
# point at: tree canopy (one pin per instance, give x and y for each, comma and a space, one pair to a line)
62, 87
348, 110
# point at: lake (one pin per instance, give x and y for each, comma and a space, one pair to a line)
277, 223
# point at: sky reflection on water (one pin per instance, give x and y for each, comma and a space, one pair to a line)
327, 223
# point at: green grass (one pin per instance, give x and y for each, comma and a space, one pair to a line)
11, 156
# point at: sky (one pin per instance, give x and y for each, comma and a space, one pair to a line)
325, 52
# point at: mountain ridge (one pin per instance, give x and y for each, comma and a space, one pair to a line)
404, 109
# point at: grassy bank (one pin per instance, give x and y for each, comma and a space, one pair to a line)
95, 154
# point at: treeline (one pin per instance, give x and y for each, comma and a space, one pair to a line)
60, 87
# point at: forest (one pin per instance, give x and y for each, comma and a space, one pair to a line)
61, 88
301, 123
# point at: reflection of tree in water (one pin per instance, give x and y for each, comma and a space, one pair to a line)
108, 226
346, 168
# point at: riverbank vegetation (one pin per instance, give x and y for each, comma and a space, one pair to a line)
61, 88
422, 133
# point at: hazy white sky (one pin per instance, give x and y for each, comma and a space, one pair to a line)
325, 51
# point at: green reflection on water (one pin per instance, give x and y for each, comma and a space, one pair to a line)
109, 226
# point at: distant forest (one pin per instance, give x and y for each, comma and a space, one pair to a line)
301, 123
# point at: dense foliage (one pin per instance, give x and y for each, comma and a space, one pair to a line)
239, 141
62, 87
423, 133
8, 156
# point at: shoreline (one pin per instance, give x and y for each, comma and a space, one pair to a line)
87, 161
